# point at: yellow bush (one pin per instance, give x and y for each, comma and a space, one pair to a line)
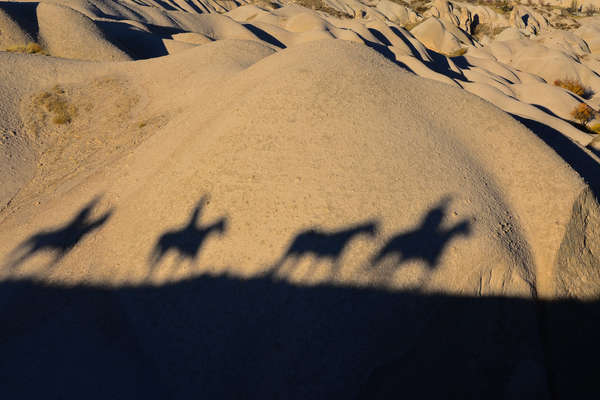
573, 86
29, 48
594, 128
583, 113
457, 53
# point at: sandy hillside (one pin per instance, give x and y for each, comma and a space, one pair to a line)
336, 199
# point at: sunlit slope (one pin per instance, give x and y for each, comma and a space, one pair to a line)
323, 162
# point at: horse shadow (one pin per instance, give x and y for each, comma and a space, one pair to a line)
61, 240
426, 242
323, 245
187, 241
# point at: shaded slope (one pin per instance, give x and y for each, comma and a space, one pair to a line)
222, 337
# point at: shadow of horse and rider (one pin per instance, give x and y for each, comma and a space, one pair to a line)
187, 241
425, 242
61, 240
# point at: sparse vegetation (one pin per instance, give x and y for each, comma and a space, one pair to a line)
481, 30
457, 53
420, 6
500, 6
590, 10
594, 128
29, 48
410, 25
401, 2
318, 5
563, 26
269, 5
503, 7
574, 86
573, 7
54, 101
583, 114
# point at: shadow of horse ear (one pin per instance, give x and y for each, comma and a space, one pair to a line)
444, 202
203, 200
223, 225
376, 228
464, 228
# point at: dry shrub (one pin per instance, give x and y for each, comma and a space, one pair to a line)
573, 8
421, 6
500, 6
594, 128
318, 5
481, 30
54, 101
590, 10
583, 113
457, 53
573, 86
410, 25
269, 5
29, 48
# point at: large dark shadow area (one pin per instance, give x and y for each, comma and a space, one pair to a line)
222, 338
133, 41
264, 36
60, 240
24, 14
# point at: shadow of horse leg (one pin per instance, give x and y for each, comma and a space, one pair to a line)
286, 267
336, 269
425, 279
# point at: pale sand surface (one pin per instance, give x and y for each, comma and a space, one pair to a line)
201, 199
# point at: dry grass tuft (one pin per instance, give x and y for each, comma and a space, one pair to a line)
318, 5
269, 5
410, 25
500, 6
583, 113
573, 8
457, 53
481, 30
29, 48
54, 101
574, 86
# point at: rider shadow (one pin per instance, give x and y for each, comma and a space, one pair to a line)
322, 245
426, 242
60, 241
187, 241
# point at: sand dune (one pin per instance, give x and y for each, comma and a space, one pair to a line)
300, 160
